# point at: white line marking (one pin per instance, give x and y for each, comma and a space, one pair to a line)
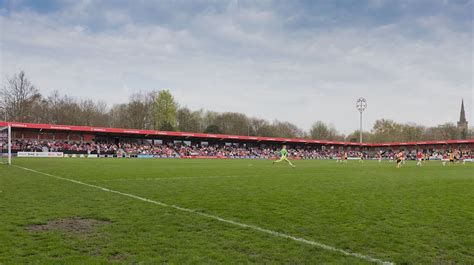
249, 226
170, 178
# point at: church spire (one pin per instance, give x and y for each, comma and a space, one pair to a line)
462, 117
462, 123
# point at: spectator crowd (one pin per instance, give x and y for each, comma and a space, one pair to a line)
179, 150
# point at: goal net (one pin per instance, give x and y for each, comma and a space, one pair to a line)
5, 145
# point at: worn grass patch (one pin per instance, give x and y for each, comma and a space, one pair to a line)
75, 225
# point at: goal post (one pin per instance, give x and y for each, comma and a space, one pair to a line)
6, 142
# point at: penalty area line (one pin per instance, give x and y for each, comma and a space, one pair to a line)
220, 219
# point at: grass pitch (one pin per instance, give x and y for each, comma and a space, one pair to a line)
411, 215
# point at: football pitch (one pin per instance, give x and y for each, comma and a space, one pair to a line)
235, 211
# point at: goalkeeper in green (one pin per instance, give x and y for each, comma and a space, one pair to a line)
283, 156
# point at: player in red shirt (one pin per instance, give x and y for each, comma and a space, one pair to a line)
419, 155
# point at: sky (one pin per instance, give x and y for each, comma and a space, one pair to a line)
297, 61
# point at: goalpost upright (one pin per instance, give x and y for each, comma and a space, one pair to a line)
9, 144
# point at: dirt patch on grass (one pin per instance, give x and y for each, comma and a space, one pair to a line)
117, 256
71, 225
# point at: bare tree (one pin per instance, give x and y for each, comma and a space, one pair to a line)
232, 123
118, 116
412, 132
448, 131
62, 110
261, 127
18, 98
189, 121
321, 131
140, 110
93, 113
287, 130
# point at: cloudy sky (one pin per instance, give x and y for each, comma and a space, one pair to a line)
297, 61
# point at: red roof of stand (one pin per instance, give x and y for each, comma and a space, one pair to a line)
470, 141
214, 136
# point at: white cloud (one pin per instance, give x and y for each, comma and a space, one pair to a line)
244, 60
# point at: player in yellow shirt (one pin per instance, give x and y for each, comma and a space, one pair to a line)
451, 157
400, 157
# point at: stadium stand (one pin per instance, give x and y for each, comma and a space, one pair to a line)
114, 142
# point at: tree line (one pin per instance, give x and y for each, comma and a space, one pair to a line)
21, 101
